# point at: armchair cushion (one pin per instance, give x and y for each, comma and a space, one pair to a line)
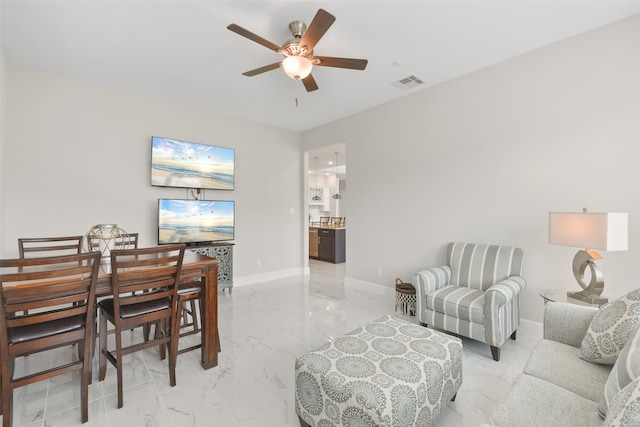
459, 301
611, 328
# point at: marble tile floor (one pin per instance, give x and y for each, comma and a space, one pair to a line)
263, 327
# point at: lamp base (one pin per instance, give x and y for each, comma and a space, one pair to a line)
595, 300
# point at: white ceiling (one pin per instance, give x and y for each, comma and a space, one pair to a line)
182, 51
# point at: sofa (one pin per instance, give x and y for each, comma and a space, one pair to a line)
560, 388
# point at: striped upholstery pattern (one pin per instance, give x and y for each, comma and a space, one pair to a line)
458, 301
477, 294
482, 266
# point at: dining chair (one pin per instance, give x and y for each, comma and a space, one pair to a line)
144, 286
58, 293
32, 247
124, 241
189, 292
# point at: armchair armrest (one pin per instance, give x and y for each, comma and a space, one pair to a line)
501, 310
503, 292
567, 323
431, 279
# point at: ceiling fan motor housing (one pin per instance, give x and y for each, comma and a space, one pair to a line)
292, 46
297, 28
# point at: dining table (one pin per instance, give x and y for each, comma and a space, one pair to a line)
193, 265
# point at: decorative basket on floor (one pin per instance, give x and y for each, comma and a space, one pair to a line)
405, 298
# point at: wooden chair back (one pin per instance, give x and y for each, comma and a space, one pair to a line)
142, 276
46, 303
38, 247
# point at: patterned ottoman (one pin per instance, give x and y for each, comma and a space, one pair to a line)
386, 373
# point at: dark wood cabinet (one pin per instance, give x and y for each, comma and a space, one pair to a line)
331, 244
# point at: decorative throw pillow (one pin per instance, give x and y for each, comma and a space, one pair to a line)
625, 408
610, 329
625, 370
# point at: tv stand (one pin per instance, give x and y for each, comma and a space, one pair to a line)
223, 252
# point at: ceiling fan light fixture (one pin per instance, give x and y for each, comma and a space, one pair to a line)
297, 67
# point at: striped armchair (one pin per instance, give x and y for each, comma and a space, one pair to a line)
476, 295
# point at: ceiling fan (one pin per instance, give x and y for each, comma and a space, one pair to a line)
298, 51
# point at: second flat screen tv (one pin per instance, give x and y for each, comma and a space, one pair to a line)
195, 221
185, 164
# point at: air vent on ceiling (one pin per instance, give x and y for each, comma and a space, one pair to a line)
407, 83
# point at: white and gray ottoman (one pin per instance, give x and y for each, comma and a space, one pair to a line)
389, 372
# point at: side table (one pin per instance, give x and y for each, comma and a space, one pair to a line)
558, 295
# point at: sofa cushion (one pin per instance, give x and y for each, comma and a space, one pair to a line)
625, 407
458, 301
559, 364
537, 403
625, 370
611, 328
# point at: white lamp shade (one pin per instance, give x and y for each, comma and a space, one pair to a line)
297, 67
606, 231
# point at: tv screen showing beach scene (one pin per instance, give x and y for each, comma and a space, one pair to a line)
195, 221
184, 164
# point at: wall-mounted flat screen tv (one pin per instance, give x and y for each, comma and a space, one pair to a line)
191, 165
195, 221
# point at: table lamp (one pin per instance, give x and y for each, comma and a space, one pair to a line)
606, 231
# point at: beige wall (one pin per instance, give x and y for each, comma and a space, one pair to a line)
482, 158
78, 154
2, 139
485, 157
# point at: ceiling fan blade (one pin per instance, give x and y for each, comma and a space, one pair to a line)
320, 24
254, 37
310, 83
261, 70
328, 61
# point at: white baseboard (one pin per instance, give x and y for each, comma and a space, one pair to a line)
369, 286
267, 277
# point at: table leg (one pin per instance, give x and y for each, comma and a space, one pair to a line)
209, 331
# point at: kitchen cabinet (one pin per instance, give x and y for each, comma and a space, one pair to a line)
313, 243
331, 245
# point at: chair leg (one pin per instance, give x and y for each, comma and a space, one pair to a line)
513, 335
495, 352
86, 380
174, 335
7, 396
194, 316
119, 367
161, 330
102, 369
